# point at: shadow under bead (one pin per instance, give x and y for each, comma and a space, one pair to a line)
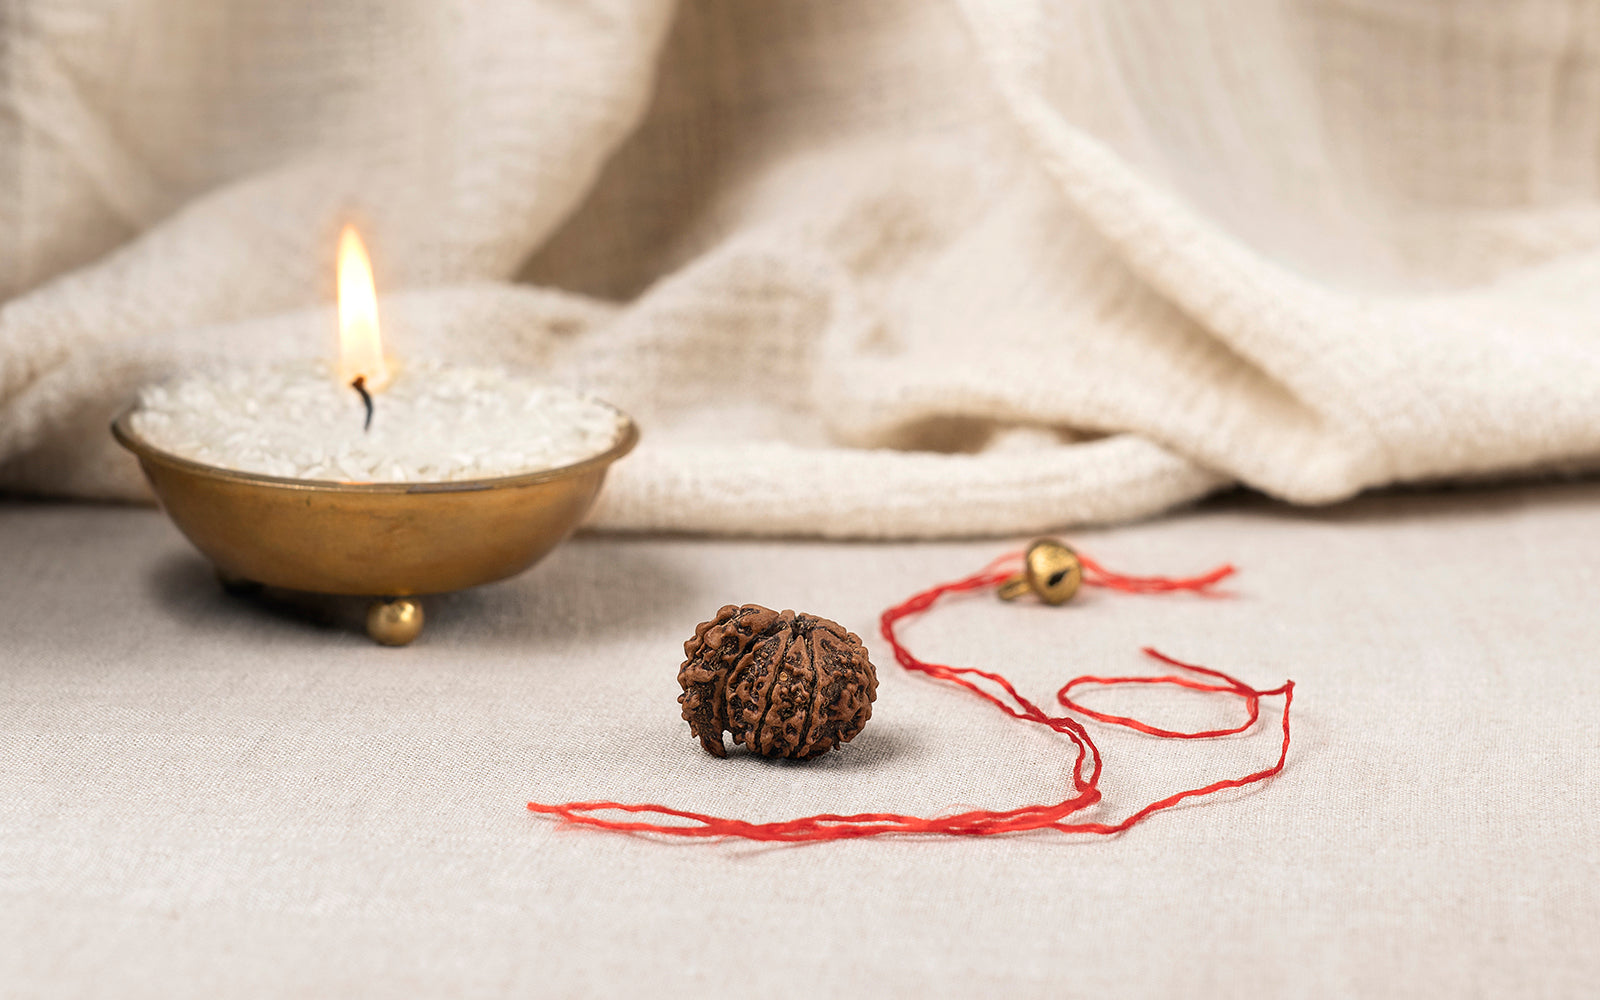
782, 684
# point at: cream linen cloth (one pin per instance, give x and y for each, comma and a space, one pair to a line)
890, 269
202, 797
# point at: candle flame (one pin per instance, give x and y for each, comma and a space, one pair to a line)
360, 347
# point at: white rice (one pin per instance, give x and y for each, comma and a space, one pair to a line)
432, 423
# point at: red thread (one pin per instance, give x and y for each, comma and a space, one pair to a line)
1086, 769
1097, 575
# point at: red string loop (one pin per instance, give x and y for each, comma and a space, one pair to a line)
1252, 699
1000, 692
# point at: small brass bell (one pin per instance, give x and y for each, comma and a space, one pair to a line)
1050, 569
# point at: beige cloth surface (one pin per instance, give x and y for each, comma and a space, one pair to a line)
914, 269
201, 796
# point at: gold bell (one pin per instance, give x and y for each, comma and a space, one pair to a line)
1050, 569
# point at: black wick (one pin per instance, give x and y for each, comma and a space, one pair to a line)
360, 385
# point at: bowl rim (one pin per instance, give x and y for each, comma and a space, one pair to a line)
122, 430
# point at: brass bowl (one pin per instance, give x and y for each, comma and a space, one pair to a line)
392, 541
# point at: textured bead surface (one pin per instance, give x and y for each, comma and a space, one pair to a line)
782, 684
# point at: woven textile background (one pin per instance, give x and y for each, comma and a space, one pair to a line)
202, 797
893, 269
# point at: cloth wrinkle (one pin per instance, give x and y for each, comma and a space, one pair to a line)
948, 270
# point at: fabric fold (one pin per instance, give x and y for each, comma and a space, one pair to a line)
918, 270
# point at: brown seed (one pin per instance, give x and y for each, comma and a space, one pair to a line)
783, 684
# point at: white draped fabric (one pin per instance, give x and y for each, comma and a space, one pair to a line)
904, 268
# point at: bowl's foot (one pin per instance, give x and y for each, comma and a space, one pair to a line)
237, 585
394, 622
